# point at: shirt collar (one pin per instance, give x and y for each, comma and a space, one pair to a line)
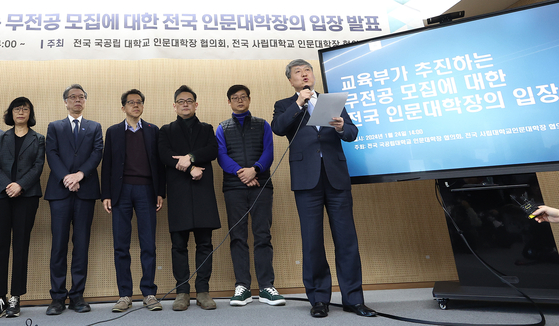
71, 118
314, 97
127, 126
313, 94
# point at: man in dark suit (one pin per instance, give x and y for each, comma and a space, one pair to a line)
187, 147
133, 178
320, 179
74, 149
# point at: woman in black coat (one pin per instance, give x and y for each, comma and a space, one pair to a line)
22, 156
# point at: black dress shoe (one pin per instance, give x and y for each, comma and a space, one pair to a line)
320, 309
56, 307
79, 305
361, 310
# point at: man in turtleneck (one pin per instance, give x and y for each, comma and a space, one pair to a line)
245, 154
187, 147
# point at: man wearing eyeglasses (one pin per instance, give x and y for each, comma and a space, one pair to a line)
74, 149
187, 147
245, 154
133, 179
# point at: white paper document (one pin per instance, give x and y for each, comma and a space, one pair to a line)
328, 105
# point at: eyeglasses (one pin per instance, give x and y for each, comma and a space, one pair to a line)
187, 101
236, 98
135, 102
76, 97
21, 109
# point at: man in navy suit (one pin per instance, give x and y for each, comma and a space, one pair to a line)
74, 149
320, 179
133, 178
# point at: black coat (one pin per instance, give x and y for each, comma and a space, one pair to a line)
30, 162
191, 204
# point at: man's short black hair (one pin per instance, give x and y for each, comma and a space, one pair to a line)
73, 86
183, 89
9, 117
236, 88
124, 96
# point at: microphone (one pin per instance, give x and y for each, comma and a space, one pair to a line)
306, 105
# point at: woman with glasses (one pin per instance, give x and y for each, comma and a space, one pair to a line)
22, 156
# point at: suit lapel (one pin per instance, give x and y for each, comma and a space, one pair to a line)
307, 116
67, 132
119, 141
83, 130
27, 141
10, 140
148, 137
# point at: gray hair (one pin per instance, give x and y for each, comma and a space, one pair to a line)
295, 63
73, 86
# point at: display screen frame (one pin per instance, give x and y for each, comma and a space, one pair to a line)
419, 174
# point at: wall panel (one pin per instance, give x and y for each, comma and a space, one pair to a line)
402, 232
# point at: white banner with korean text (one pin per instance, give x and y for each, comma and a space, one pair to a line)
194, 30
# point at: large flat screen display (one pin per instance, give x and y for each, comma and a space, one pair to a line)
473, 97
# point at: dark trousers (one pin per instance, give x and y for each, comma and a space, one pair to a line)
179, 251
238, 202
17, 215
78, 214
316, 271
141, 199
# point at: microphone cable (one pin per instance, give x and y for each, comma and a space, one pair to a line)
226, 235
494, 271
490, 268
380, 314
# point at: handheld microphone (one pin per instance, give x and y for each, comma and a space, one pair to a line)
306, 105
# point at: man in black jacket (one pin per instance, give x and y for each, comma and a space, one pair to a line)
133, 178
187, 147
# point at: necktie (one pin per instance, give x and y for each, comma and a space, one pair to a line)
310, 107
76, 130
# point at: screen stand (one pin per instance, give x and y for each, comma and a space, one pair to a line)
487, 210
